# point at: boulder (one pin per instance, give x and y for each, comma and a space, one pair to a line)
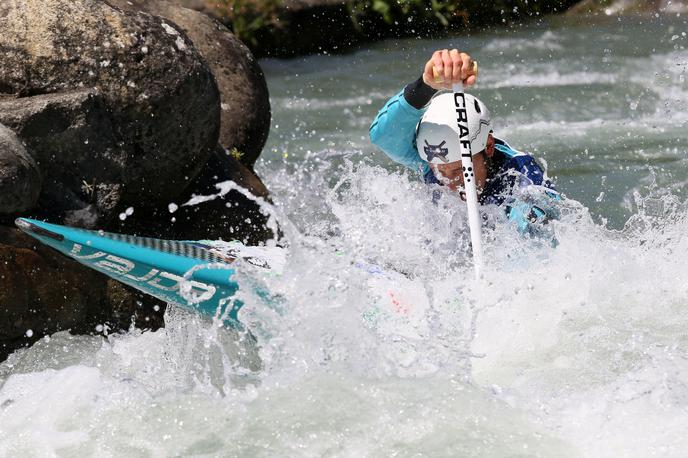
44, 292
230, 216
243, 91
159, 94
20, 180
71, 137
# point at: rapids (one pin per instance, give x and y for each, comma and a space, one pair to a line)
377, 340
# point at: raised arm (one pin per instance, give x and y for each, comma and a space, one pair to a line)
394, 127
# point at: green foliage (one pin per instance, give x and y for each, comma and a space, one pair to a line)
433, 15
248, 17
264, 23
393, 12
236, 154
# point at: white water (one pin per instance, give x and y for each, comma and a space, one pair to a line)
574, 350
578, 350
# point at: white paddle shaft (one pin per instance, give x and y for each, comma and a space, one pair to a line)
468, 177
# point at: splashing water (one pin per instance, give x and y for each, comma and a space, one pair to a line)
375, 338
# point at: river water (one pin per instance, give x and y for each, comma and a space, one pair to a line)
378, 340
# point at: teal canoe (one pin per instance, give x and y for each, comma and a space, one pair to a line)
191, 274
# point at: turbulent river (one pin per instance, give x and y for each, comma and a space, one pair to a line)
379, 341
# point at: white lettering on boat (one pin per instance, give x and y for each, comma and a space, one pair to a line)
163, 281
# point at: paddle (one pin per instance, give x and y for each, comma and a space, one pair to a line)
468, 176
467, 168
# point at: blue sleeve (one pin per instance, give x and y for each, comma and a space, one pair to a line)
535, 202
394, 132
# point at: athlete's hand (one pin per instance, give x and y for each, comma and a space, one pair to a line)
447, 67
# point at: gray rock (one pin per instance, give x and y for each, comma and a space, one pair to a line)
20, 180
160, 95
243, 90
72, 139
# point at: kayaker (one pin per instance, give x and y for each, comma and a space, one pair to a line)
417, 128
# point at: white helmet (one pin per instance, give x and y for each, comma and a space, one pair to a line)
437, 135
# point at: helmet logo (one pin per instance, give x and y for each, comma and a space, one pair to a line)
436, 151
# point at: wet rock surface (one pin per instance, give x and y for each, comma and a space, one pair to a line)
71, 138
20, 180
44, 292
229, 216
160, 94
245, 104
